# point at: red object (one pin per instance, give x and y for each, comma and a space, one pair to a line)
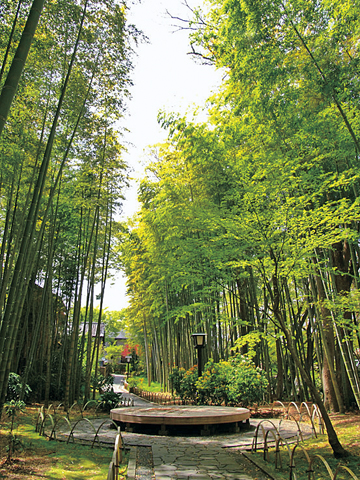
128, 350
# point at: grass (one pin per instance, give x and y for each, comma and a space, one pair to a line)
41, 459
347, 427
142, 383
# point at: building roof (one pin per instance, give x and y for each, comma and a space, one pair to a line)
122, 335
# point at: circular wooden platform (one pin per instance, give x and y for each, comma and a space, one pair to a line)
133, 418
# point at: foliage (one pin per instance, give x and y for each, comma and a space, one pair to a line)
135, 382
188, 384
114, 353
12, 409
247, 384
135, 360
142, 384
63, 176
14, 388
251, 341
115, 321
236, 382
213, 385
249, 221
103, 383
108, 400
175, 378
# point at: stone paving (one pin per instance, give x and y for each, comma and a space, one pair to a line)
188, 458
215, 457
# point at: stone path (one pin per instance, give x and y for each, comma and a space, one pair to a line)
221, 457
215, 457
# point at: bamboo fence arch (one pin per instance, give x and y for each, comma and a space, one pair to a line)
100, 427
71, 435
56, 423
279, 440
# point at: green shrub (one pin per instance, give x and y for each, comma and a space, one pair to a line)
135, 382
235, 382
102, 384
188, 383
12, 408
142, 384
184, 382
14, 388
247, 383
108, 400
175, 378
213, 385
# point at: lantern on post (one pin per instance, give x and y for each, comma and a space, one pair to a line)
199, 340
128, 359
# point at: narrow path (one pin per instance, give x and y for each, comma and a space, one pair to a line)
119, 381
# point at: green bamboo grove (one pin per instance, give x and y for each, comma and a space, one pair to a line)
248, 227
65, 78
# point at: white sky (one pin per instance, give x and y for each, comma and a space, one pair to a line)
165, 78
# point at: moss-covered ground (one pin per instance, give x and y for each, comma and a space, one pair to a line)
347, 427
38, 458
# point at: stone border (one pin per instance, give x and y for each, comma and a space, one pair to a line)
131, 469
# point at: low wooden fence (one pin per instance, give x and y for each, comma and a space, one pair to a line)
158, 397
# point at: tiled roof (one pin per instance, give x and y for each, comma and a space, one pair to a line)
122, 335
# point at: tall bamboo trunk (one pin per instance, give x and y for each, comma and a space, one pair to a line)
334, 442
147, 356
18, 63
25, 259
332, 396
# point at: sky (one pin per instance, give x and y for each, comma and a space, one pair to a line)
165, 78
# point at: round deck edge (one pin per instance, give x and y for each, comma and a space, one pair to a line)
213, 416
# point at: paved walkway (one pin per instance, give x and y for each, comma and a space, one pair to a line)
220, 457
214, 457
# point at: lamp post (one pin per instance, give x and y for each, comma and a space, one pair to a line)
199, 340
128, 359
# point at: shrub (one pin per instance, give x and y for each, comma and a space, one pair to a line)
247, 383
213, 385
236, 382
102, 384
184, 382
108, 400
175, 378
12, 408
14, 388
135, 382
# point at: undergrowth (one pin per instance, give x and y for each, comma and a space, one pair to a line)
347, 427
40, 458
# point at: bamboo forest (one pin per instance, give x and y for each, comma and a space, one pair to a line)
248, 221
